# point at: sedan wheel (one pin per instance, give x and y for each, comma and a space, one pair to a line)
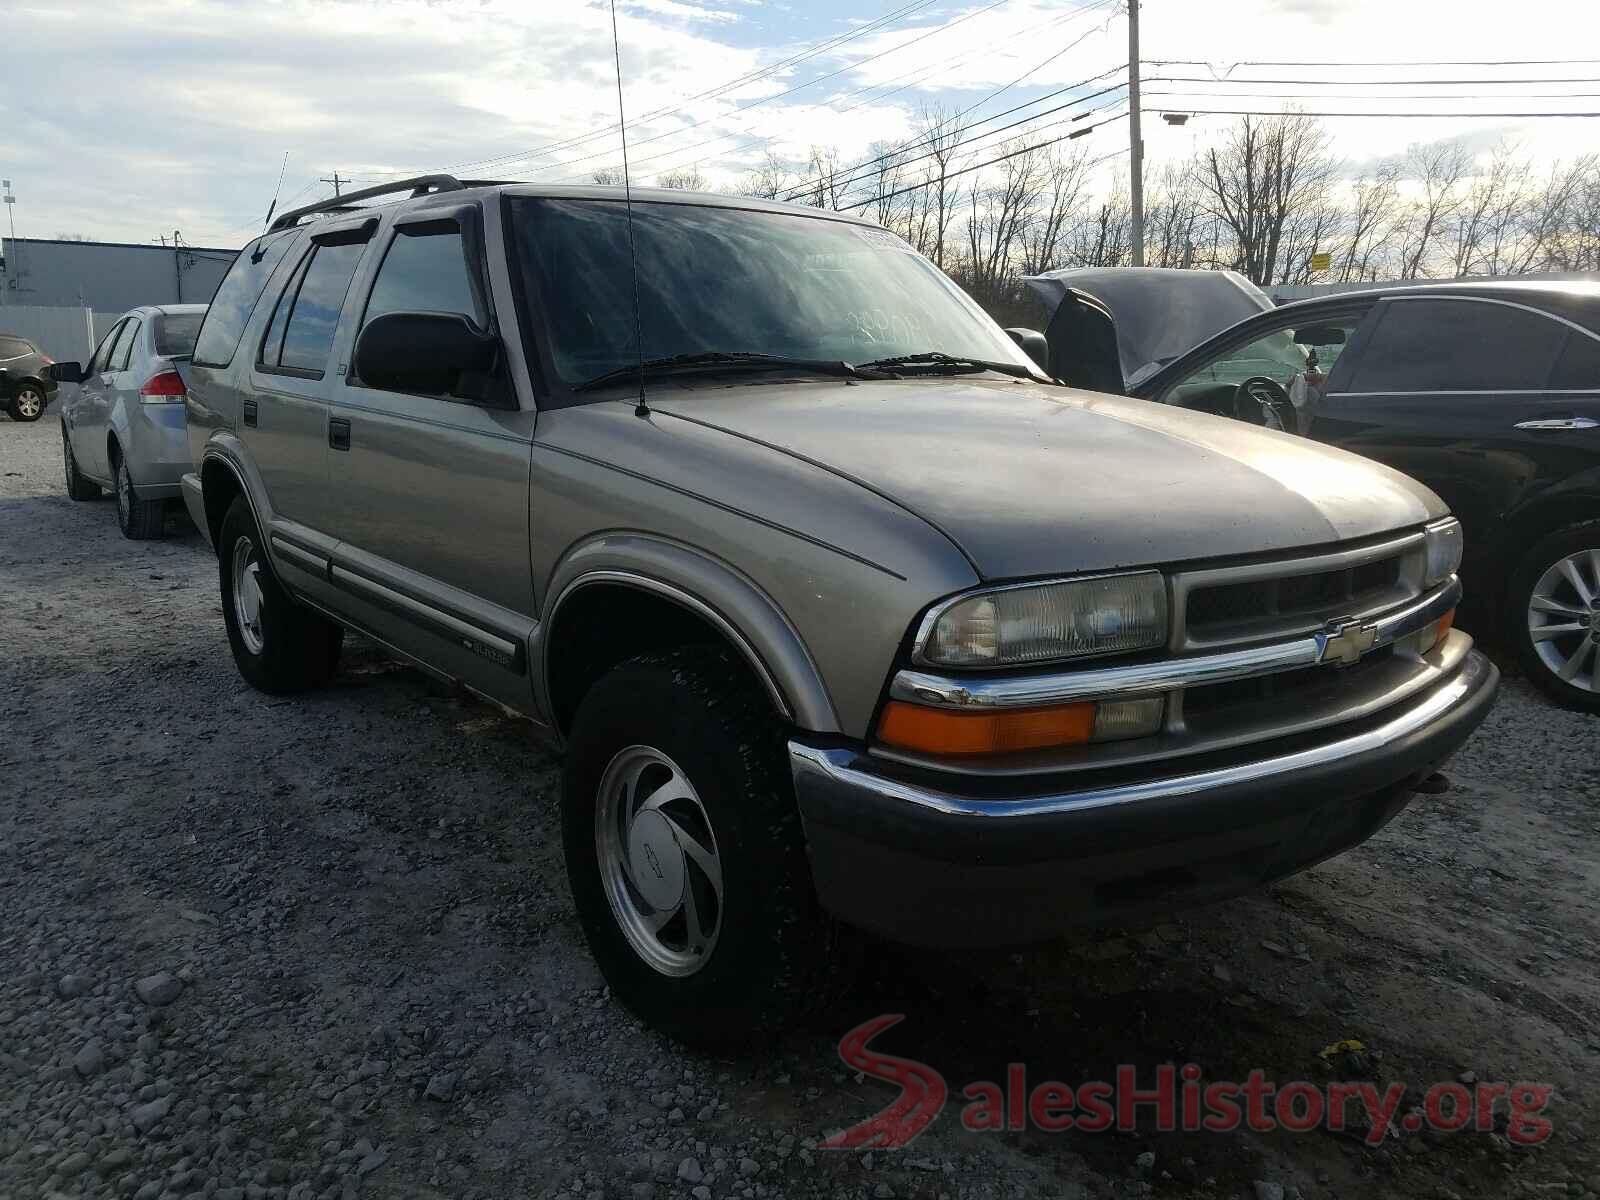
1554, 615
138, 519
658, 861
1564, 619
28, 405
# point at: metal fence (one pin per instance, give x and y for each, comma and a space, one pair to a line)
62, 333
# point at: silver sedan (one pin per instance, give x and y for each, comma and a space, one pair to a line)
122, 426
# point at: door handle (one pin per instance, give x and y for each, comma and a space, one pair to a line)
339, 433
250, 411
1552, 423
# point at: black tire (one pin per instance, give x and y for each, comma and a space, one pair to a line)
290, 648
78, 488
139, 520
28, 403
701, 710
1539, 573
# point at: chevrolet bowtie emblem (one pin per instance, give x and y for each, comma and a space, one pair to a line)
1345, 641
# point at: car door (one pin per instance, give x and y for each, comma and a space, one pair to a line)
432, 487
285, 426
1298, 349
121, 384
1453, 390
95, 399
80, 404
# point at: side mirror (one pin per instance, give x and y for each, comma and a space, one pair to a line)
1034, 345
64, 372
435, 354
1319, 335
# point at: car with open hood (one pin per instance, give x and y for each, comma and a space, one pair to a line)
1488, 392
840, 609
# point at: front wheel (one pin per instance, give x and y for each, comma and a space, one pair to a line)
27, 404
279, 646
1553, 615
684, 849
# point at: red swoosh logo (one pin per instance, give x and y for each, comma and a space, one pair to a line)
922, 1091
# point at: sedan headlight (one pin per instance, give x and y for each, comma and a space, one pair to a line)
1444, 551
1042, 622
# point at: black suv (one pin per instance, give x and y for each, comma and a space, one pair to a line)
23, 388
1489, 393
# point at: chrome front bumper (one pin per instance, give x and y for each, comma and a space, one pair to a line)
968, 860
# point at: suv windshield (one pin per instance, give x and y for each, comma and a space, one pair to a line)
729, 281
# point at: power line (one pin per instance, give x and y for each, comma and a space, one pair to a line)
946, 27
1384, 82
1267, 112
917, 187
801, 189
1284, 62
749, 77
1346, 97
944, 67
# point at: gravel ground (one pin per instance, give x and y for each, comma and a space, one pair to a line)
324, 948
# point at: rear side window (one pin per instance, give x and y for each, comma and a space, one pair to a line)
175, 333
1458, 346
425, 271
1579, 364
14, 347
300, 336
124, 347
236, 299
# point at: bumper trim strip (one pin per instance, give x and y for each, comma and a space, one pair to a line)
836, 767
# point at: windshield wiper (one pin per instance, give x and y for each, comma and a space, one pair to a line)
725, 360
937, 362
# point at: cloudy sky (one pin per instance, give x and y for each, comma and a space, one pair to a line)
126, 119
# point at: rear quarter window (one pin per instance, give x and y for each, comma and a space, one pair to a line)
236, 300
176, 333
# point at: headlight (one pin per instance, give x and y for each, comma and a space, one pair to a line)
1033, 623
1444, 551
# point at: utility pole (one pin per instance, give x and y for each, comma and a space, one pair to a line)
177, 263
336, 181
1135, 139
16, 251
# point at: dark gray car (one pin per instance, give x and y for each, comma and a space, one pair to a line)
122, 423
25, 388
840, 608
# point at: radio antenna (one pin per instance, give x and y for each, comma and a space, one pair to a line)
641, 409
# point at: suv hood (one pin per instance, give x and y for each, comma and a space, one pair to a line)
1159, 313
1030, 480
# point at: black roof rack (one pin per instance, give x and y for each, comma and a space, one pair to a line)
419, 186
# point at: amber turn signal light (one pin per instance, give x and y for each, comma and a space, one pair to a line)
939, 731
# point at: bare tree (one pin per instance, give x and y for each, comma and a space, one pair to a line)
883, 175
770, 180
1044, 237
824, 182
1103, 236
1374, 212
686, 179
1574, 245
937, 138
1175, 221
1437, 170
1270, 171
997, 214
607, 176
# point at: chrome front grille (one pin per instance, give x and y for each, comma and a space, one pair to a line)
1219, 607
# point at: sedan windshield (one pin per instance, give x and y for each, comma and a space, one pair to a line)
723, 281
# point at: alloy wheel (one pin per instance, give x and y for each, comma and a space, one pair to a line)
1564, 619
29, 403
658, 860
247, 595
